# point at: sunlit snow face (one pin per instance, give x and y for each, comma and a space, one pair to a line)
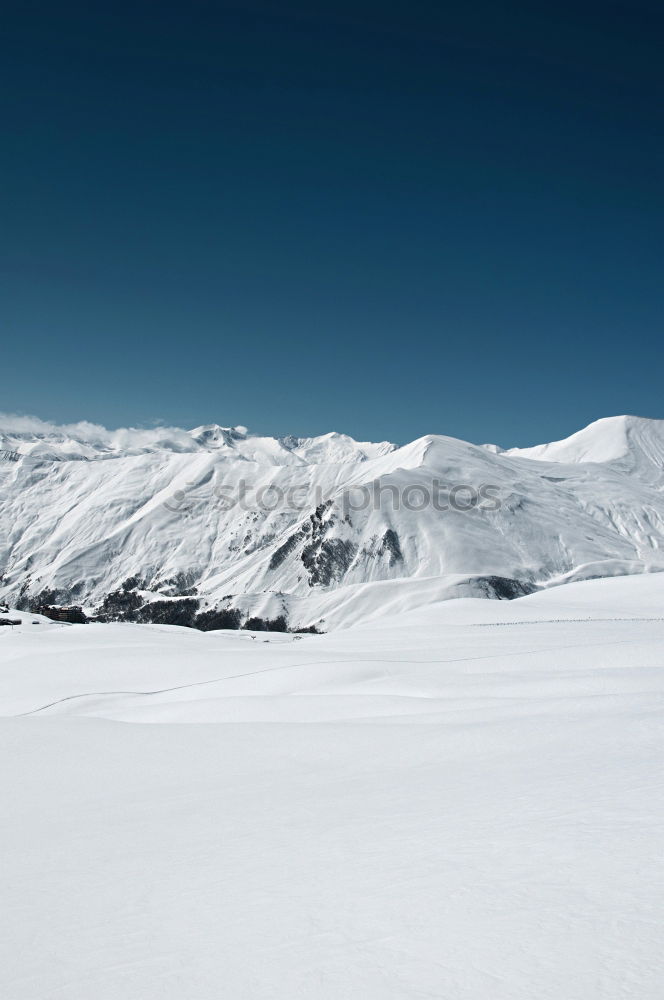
85, 509
375, 496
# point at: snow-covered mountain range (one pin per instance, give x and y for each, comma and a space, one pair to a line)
323, 531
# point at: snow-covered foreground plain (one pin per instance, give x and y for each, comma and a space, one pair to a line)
461, 802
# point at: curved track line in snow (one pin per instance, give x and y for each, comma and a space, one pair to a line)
560, 621
310, 663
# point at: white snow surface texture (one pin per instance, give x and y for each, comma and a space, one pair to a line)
83, 508
462, 801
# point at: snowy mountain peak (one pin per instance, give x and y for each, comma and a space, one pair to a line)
317, 529
212, 435
46, 441
335, 448
635, 442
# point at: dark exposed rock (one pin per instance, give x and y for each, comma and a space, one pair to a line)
325, 559
328, 560
209, 621
390, 544
313, 527
285, 550
180, 585
45, 598
266, 624
504, 588
119, 605
180, 612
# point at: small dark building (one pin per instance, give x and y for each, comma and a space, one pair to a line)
72, 613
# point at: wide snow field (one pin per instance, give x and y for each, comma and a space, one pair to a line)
464, 802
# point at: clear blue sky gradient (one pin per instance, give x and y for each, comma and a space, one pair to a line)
385, 219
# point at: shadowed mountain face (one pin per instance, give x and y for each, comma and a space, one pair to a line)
323, 531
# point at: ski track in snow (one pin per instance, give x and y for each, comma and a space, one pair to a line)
319, 663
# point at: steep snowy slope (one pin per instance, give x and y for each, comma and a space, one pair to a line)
301, 527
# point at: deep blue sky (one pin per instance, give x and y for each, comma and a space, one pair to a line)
387, 219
